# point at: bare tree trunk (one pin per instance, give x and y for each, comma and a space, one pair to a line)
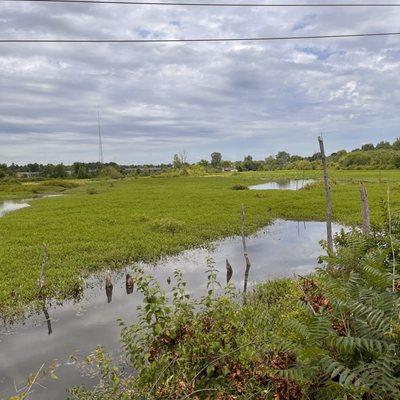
245, 253
366, 224
229, 271
327, 197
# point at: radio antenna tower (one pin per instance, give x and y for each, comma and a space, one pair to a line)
100, 143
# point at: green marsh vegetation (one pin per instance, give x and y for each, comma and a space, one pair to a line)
13, 189
107, 223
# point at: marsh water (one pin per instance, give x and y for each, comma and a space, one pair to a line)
12, 205
285, 184
8, 206
279, 250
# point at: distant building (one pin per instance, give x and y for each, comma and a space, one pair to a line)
229, 169
27, 174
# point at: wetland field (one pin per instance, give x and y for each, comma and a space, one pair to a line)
106, 224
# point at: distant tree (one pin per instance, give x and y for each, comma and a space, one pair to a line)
356, 159
337, 155
216, 159
270, 163
110, 171
82, 172
226, 164
315, 157
48, 170
203, 163
59, 171
302, 165
35, 167
396, 144
282, 158
367, 147
249, 164
383, 145
177, 161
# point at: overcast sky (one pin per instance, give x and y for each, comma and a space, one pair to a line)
158, 99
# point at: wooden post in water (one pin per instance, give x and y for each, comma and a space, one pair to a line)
366, 224
229, 271
329, 213
245, 253
45, 258
129, 284
41, 285
109, 286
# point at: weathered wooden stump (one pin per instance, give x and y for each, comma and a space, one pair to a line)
109, 286
129, 284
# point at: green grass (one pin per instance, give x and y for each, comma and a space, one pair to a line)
15, 189
105, 224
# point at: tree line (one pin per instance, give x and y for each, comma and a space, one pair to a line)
383, 155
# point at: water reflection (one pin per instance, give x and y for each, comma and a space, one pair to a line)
290, 184
8, 206
229, 271
47, 317
282, 249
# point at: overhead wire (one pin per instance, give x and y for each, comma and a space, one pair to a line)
218, 4
196, 40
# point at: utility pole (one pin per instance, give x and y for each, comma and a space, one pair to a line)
100, 143
245, 253
327, 197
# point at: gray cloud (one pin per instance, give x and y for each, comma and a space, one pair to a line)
238, 98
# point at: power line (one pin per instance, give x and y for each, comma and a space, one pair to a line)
157, 3
249, 39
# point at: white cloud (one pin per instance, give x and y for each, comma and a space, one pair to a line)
238, 98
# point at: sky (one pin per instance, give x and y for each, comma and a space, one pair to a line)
155, 100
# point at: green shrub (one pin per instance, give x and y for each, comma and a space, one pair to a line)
239, 187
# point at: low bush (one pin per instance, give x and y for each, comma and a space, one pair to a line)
239, 187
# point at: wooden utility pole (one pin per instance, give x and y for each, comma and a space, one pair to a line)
327, 197
366, 224
245, 253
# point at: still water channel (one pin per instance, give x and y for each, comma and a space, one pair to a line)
10, 205
286, 184
279, 250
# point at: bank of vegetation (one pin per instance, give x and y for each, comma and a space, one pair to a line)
108, 223
331, 335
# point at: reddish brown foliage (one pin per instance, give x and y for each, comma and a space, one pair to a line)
239, 377
282, 359
207, 323
286, 388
